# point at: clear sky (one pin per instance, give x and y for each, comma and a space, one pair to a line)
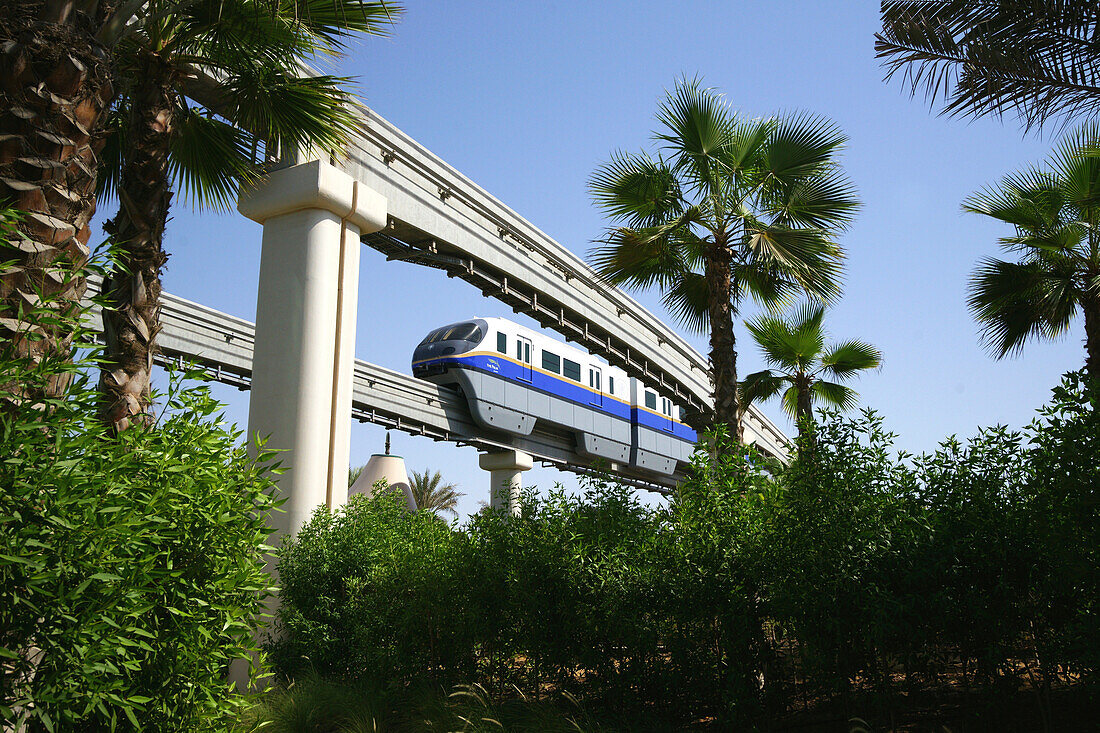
527, 99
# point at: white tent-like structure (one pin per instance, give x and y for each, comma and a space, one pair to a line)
388, 468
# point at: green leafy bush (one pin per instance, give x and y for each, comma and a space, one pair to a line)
370, 592
131, 567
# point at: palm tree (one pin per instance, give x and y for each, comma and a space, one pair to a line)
730, 206
795, 349
1055, 211
207, 139
433, 495
1038, 59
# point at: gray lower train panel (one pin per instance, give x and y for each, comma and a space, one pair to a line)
658, 450
502, 404
498, 403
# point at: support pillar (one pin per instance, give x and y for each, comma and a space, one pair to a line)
313, 216
506, 477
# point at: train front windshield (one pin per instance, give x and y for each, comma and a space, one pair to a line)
468, 331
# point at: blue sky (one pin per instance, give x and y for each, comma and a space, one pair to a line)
528, 98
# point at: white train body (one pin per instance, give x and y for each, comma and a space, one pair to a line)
514, 377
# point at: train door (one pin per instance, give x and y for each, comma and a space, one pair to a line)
523, 356
595, 379
666, 412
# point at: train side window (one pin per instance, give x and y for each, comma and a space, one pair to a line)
551, 362
502, 342
594, 379
523, 350
611, 385
651, 400
572, 370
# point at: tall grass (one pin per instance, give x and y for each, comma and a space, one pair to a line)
316, 705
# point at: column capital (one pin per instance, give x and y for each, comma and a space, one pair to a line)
506, 460
314, 185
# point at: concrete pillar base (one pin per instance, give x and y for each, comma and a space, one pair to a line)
506, 478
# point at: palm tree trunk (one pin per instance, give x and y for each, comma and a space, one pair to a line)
133, 290
1091, 308
723, 353
54, 87
804, 414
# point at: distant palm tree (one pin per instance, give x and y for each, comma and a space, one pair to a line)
1055, 211
433, 495
796, 350
354, 473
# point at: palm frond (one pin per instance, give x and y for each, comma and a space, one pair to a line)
748, 140
849, 357
776, 339
808, 325
110, 157
801, 145
295, 111
835, 395
759, 387
640, 258
823, 200
790, 401
1036, 59
808, 256
334, 21
219, 34
636, 190
768, 285
1076, 163
698, 126
1016, 301
1031, 200
209, 160
687, 300
432, 495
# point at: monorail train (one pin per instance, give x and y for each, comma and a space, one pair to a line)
514, 377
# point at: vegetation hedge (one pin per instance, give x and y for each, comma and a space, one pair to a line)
857, 576
131, 566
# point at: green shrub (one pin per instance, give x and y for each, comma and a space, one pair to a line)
1063, 505
370, 592
131, 567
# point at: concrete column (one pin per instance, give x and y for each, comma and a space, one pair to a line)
313, 217
506, 477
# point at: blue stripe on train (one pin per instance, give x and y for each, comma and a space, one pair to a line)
567, 389
660, 422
